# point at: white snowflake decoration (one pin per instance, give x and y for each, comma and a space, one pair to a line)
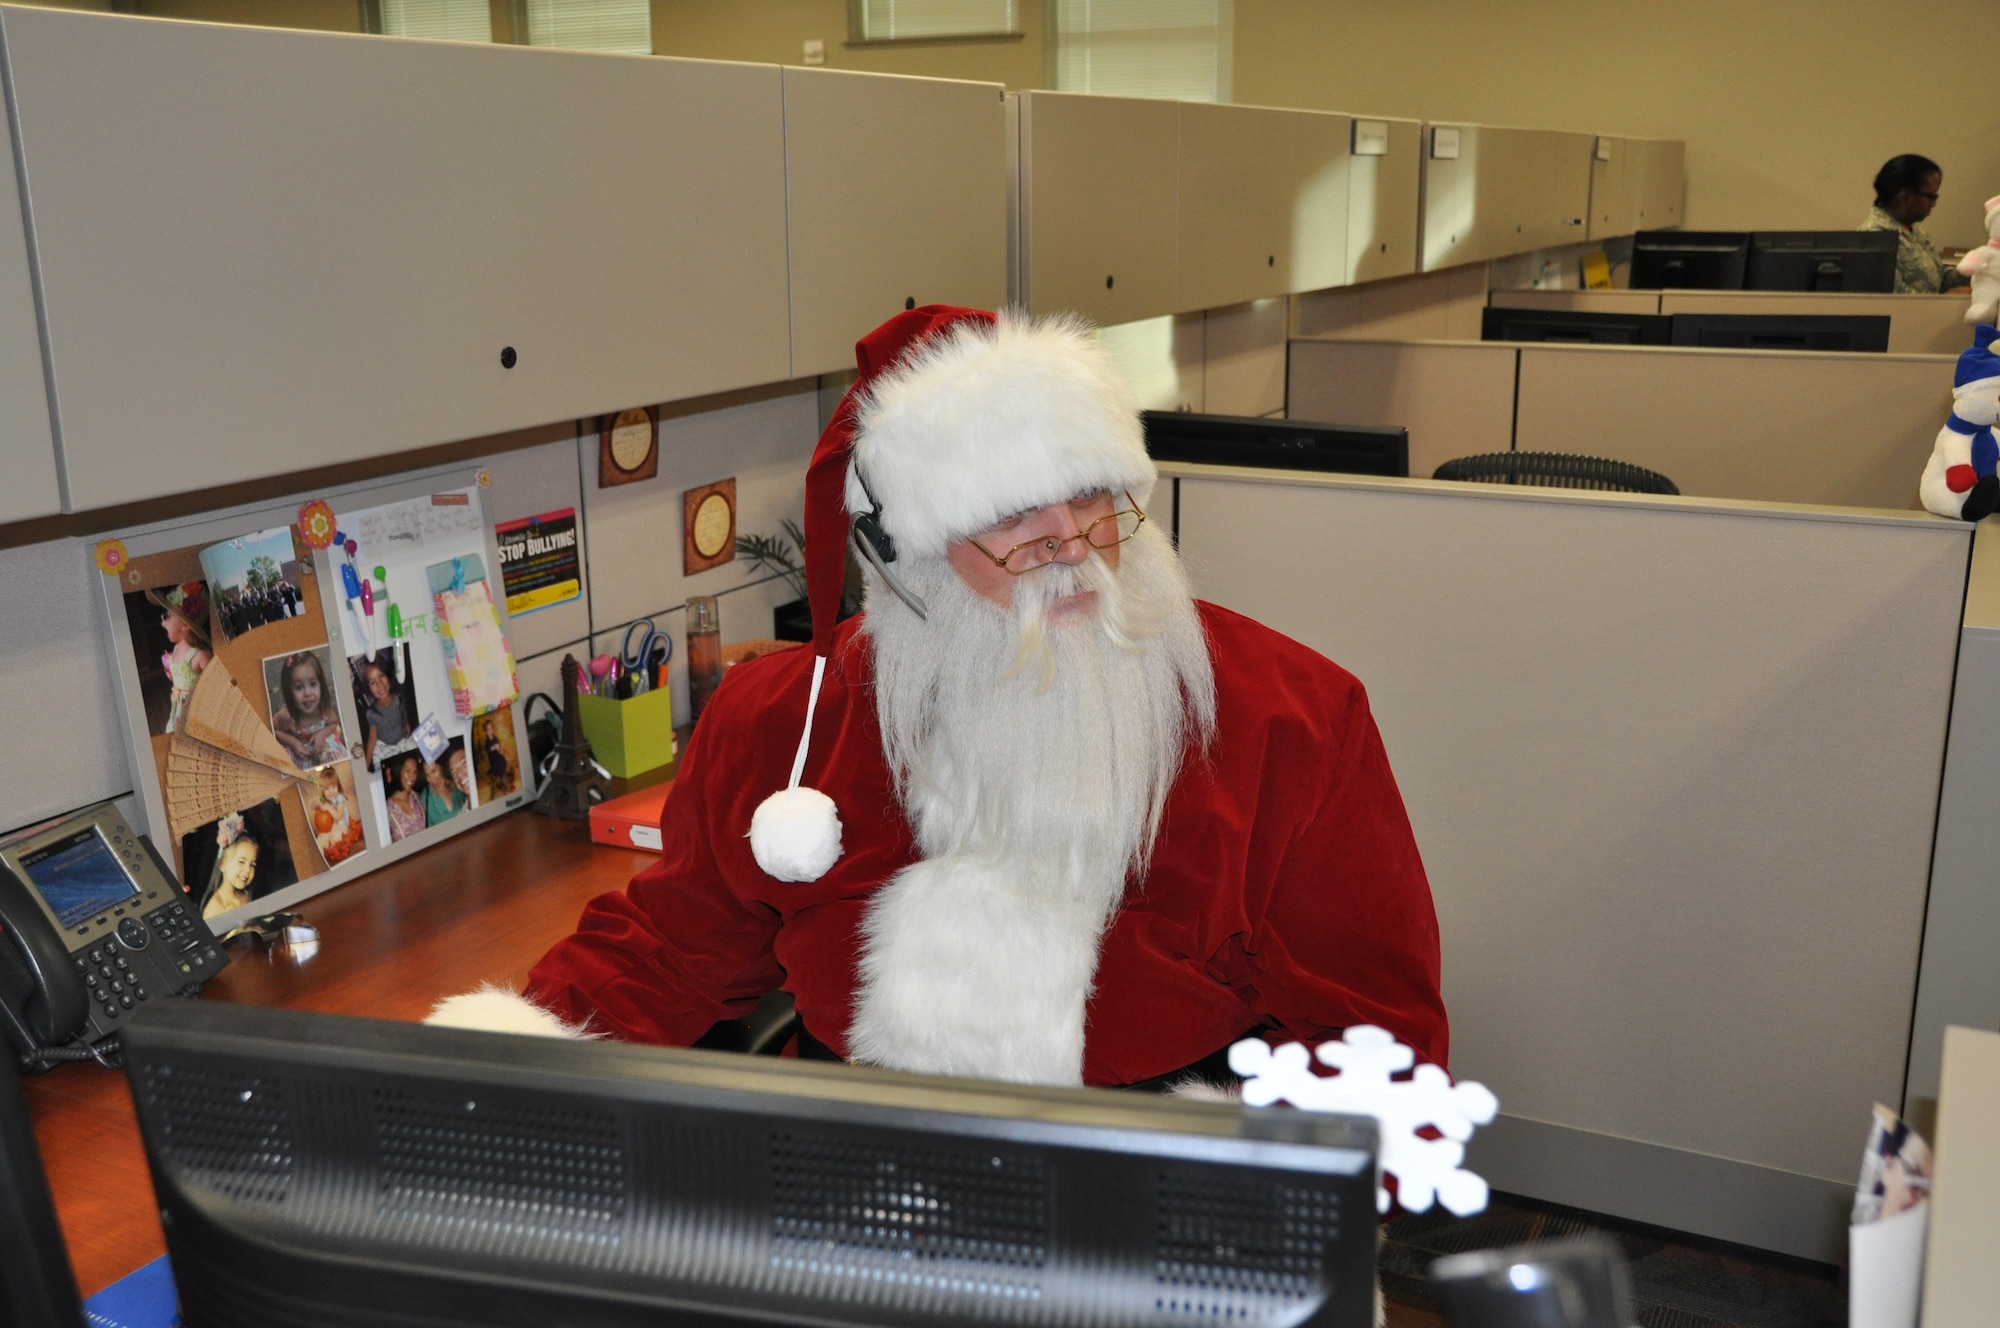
1425, 1169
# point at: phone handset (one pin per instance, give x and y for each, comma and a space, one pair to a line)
42, 1000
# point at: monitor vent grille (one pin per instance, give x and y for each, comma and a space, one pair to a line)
1241, 1250
229, 1133
912, 1229
526, 1179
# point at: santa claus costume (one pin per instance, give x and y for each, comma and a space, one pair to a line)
1093, 836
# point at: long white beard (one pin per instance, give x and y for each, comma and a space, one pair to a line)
1033, 759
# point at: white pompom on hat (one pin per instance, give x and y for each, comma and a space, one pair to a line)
958, 418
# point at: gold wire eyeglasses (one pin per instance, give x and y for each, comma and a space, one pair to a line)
1108, 531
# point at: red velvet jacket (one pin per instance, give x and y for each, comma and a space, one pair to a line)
1285, 893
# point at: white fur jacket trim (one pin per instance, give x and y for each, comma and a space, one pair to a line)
964, 972
494, 1009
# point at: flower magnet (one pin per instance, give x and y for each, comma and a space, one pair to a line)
316, 524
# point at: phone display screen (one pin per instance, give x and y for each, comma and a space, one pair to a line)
79, 876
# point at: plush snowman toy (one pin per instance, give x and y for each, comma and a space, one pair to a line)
1983, 266
1960, 479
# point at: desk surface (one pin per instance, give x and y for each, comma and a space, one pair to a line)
479, 907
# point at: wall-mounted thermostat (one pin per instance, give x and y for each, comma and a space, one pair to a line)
1371, 138
1444, 144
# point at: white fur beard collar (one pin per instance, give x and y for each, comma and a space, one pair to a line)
1033, 792
966, 973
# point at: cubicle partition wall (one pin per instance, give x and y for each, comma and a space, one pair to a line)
28, 486
1918, 324
1773, 426
1673, 766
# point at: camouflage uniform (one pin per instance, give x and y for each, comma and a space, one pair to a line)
1919, 270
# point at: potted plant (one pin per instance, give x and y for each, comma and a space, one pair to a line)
782, 555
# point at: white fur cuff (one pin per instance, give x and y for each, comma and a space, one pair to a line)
494, 1009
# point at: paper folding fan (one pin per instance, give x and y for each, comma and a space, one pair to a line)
220, 715
205, 782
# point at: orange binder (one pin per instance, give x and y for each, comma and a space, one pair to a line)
631, 821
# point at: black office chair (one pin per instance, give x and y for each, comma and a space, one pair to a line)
1556, 470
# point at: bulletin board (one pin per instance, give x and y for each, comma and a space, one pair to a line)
300, 709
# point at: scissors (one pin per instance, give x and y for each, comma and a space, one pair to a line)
644, 661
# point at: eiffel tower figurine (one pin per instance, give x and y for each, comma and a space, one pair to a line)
574, 785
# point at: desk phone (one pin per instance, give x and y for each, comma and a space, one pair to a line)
92, 926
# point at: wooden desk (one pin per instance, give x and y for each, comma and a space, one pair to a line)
477, 908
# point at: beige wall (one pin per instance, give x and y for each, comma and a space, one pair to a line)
1788, 107
775, 31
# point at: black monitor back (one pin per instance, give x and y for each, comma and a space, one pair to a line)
37, 1287
316, 1170
1857, 262
1850, 332
1245, 440
1497, 324
1689, 260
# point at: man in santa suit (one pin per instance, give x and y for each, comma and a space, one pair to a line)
1051, 820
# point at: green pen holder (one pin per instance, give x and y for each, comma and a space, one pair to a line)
630, 737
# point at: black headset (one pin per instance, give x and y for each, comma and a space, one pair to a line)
878, 547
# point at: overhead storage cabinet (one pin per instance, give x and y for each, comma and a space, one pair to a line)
1382, 193
1659, 168
897, 195
1489, 192
27, 451
1263, 203
266, 250
1096, 206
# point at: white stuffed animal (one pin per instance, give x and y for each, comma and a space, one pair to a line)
1960, 480
1983, 266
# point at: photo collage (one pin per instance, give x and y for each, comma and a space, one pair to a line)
228, 640
297, 719
428, 667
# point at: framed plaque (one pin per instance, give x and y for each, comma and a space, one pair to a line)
628, 447
708, 526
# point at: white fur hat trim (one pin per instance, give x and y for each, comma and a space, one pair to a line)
494, 1009
795, 834
982, 422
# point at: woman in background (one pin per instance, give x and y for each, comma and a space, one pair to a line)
1906, 189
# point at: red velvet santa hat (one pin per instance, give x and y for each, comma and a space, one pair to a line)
958, 418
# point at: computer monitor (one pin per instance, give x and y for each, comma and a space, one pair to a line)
1498, 324
318, 1169
1688, 260
1851, 332
37, 1287
1245, 440
1858, 262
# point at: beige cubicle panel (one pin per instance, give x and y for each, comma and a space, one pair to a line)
263, 251
1455, 398
1578, 301
896, 196
1673, 767
1263, 203
1382, 199
1658, 168
1429, 306
1501, 191
28, 485
1097, 202
1965, 1188
1774, 426
1918, 324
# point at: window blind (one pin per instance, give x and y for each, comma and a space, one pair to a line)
441, 20
907, 20
592, 25
1144, 48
